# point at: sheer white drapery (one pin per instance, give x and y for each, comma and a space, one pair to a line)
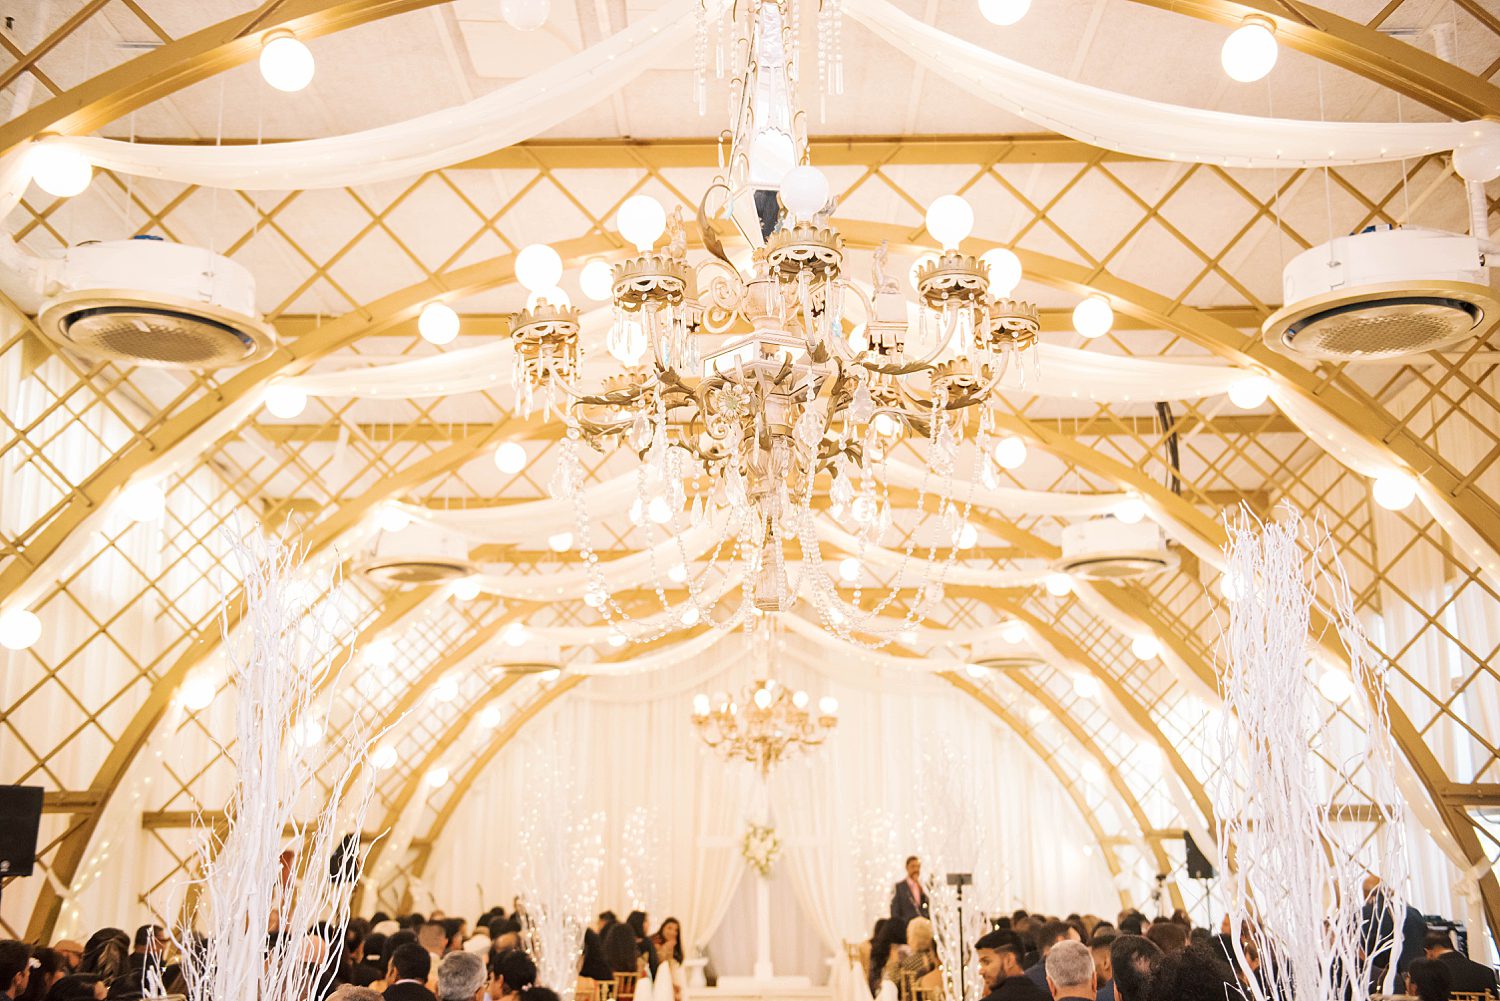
1151, 128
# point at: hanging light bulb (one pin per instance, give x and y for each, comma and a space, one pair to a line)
1146, 647
1035, 715
1013, 633
1058, 584
1249, 53
1004, 12
1093, 316
550, 675
1130, 510
1478, 160
436, 777
445, 690
515, 635
285, 402
525, 15
381, 652
975, 671
308, 732
967, 537
538, 267
490, 718
466, 589
383, 757
849, 569
285, 63
1010, 452
58, 169
1336, 686
617, 640
1005, 270
804, 191
1086, 686
597, 280
1251, 392
950, 220
677, 573
886, 426
393, 519
143, 501
438, 323
762, 698
690, 616
561, 542
659, 511
197, 693
1394, 490
828, 705
642, 221
510, 457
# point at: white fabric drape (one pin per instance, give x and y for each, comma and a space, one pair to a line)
1151, 128
511, 114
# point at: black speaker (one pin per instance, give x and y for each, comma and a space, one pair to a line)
1198, 865
20, 817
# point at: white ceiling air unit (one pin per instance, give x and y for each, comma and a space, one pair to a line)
1109, 549
418, 554
150, 302
1383, 293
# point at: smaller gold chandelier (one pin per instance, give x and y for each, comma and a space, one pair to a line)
764, 724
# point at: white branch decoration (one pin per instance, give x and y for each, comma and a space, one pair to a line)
1292, 867
950, 840
639, 857
296, 794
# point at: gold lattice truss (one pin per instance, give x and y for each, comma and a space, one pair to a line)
1190, 254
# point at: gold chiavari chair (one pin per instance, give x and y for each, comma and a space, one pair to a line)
1471, 996
624, 986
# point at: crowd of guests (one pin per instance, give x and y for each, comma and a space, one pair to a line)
412, 957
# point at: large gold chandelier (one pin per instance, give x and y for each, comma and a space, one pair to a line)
761, 394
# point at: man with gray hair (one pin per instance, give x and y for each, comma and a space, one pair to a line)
349, 992
461, 977
1070, 971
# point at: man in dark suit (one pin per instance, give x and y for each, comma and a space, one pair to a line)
407, 976
909, 900
999, 955
1052, 933
1131, 959
1388, 931
1466, 975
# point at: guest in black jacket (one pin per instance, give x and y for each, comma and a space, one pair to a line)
1466, 974
408, 973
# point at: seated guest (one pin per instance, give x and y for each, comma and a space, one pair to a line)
1070, 971
1429, 980
594, 969
71, 952
1193, 974
47, 968
1131, 960
511, 973
77, 987
1049, 935
1168, 936
892, 937
434, 938
920, 958
407, 974
351, 992
461, 977
1103, 937
999, 955
1466, 974
368, 968
15, 968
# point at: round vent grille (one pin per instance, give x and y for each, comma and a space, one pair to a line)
405, 571
1119, 565
160, 332
527, 667
1018, 662
1382, 321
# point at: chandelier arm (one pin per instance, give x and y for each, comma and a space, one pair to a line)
842, 346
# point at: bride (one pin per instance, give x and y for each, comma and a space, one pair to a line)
668, 942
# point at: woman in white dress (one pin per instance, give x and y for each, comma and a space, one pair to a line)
668, 942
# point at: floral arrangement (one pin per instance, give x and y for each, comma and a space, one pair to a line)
760, 848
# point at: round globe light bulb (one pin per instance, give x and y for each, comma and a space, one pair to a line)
1394, 491
1145, 647
1229, 587
700, 704
515, 635
560, 542
975, 670
490, 718
437, 777
828, 705
1086, 686
597, 280
1251, 392
1010, 452
677, 573
1004, 12
1093, 317
886, 426
1336, 686
1005, 270
308, 732
1091, 772
538, 267
1058, 584
1478, 161
804, 191
950, 220
381, 653
510, 457
1249, 53
285, 402
1035, 715
690, 616
617, 640
197, 693
525, 15
466, 589
967, 537
445, 690
393, 519
143, 501
762, 698
57, 169
383, 757
659, 511
551, 674
642, 221
438, 323
285, 63
1013, 633
849, 569
1130, 510
593, 598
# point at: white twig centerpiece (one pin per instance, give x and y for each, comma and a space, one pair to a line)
1293, 760
288, 855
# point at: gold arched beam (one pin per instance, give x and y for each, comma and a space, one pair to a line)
114, 93
344, 518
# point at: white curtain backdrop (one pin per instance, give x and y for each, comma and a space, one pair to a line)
1150, 128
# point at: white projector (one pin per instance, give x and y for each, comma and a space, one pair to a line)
1383, 293
1109, 549
418, 554
149, 302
